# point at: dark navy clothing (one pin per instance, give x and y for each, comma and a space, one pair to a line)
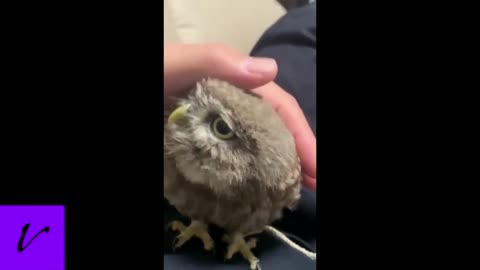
292, 42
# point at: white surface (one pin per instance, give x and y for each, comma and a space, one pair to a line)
238, 23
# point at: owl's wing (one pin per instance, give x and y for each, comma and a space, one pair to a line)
294, 178
170, 173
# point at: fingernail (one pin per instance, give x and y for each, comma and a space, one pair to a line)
260, 65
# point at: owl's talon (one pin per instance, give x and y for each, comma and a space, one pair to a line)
177, 226
196, 228
226, 238
239, 245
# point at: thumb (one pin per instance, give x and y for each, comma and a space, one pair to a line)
185, 64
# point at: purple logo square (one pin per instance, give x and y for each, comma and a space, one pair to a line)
32, 237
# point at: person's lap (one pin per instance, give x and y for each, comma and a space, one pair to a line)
273, 253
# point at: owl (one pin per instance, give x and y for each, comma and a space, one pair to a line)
229, 160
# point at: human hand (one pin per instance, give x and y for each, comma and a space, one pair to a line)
184, 65
289, 110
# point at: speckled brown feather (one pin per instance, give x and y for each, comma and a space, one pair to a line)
241, 186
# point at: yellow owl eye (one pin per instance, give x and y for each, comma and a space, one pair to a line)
221, 129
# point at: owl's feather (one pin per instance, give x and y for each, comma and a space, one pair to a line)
240, 184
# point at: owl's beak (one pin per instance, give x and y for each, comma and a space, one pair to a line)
178, 114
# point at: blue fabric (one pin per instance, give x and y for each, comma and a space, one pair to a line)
292, 42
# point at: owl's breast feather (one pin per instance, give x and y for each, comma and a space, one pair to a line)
248, 210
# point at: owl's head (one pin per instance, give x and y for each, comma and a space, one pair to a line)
223, 137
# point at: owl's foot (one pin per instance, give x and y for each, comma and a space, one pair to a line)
196, 228
237, 244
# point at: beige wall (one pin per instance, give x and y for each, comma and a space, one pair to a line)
238, 23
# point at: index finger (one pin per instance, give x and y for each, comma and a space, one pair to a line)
185, 64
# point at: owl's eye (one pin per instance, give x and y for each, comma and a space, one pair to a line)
221, 129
